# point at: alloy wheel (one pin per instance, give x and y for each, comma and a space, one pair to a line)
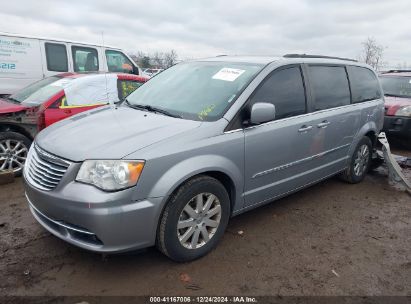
199, 220
13, 154
361, 160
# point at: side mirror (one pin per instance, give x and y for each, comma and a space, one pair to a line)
262, 112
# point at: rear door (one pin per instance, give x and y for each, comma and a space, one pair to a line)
335, 120
20, 63
278, 154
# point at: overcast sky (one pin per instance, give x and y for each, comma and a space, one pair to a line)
208, 28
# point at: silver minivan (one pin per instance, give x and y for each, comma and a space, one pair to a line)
199, 143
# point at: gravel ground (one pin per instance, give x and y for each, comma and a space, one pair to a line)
330, 239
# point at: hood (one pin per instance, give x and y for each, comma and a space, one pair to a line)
109, 133
9, 107
392, 104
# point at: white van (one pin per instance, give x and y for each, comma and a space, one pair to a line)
25, 59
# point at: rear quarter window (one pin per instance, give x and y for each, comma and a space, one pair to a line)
330, 86
364, 84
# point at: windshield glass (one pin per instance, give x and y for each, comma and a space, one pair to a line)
40, 91
196, 90
396, 86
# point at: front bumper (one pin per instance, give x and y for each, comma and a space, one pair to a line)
397, 126
95, 220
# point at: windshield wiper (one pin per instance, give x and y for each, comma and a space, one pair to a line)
152, 109
13, 99
393, 95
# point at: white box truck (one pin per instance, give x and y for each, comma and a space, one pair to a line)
26, 59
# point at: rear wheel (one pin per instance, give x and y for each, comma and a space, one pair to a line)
194, 219
359, 163
13, 152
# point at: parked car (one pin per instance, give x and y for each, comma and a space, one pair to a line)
201, 142
152, 72
397, 90
26, 59
25, 113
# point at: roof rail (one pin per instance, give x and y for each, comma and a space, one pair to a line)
316, 56
397, 71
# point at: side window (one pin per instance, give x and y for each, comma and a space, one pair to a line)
85, 59
330, 86
56, 57
126, 87
284, 89
364, 84
118, 62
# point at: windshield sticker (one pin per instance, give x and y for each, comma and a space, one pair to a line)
228, 74
204, 113
61, 83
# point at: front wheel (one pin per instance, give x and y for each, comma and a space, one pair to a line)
194, 219
13, 152
360, 162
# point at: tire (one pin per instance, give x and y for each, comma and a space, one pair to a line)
169, 236
353, 174
9, 141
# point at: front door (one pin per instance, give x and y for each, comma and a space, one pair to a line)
278, 154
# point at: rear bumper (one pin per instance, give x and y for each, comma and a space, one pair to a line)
113, 224
397, 126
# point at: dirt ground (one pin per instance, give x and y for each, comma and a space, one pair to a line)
330, 239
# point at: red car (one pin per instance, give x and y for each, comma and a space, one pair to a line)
25, 113
397, 90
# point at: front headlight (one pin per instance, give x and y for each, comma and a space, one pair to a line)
110, 175
403, 111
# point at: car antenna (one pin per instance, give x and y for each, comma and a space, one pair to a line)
105, 73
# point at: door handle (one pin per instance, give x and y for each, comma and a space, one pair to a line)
305, 128
67, 111
323, 124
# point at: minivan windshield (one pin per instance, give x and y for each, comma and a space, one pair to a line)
40, 91
396, 86
195, 90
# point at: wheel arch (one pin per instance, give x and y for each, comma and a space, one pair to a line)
369, 130
17, 129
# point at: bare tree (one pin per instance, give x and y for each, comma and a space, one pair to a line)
157, 59
372, 53
170, 59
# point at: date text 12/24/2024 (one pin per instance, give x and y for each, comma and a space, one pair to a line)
203, 299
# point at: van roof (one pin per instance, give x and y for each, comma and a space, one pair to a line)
54, 39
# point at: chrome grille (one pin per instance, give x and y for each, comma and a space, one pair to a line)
43, 170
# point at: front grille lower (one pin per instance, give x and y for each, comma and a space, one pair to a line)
43, 170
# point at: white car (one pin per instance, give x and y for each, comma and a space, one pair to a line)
152, 72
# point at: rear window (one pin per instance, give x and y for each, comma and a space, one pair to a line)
364, 84
56, 57
330, 86
40, 91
